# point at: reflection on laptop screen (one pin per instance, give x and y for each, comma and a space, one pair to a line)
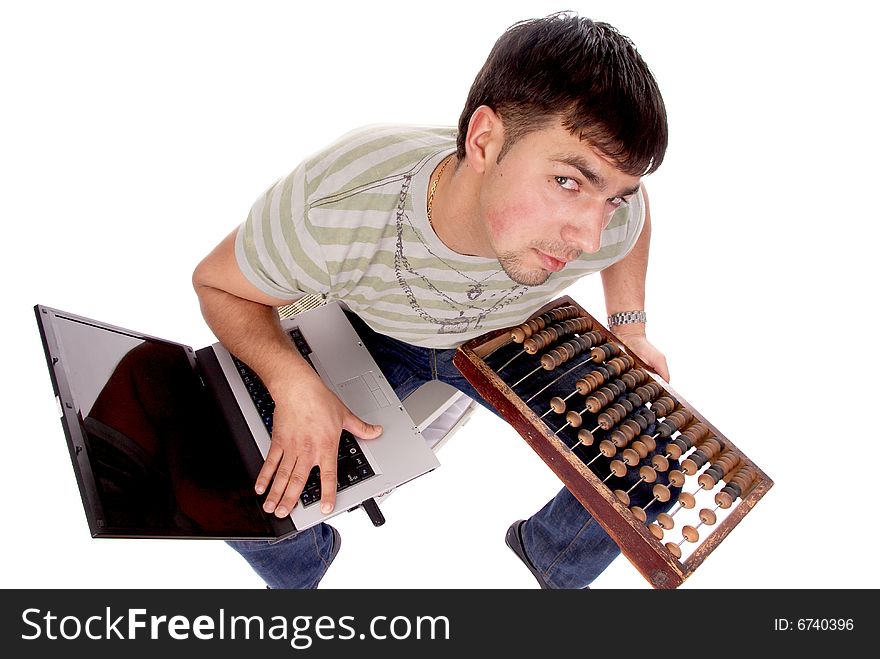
163, 462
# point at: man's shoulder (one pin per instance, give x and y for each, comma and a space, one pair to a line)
373, 152
397, 133
374, 141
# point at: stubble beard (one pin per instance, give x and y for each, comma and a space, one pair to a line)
513, 265
516, 263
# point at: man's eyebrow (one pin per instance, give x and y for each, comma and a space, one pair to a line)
598, 182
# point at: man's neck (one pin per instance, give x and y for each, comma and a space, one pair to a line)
455, 211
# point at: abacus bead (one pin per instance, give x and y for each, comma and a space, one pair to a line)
724, 500
622, 496
660, 462
686, 499
618, 468
733, 488
676, 478
574, 419
630, 457
689, 467
674, 549
583, 386
707, 480
665, 520
607, 448
648, 474
690, 533
656, 531
707, 516
557, 404
674, 450
639, 514
632, 427
661, 492
585, 437
617, 438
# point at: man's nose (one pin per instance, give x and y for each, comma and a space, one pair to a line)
585, 229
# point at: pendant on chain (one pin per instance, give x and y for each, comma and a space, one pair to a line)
475, 291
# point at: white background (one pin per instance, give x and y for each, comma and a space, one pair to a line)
136, 135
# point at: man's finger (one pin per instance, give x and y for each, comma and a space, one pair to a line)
328, 487
273, 457
295, 484
279, 485
360, 428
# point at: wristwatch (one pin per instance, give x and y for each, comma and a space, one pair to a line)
626, 317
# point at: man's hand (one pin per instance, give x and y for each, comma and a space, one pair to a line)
308, 416
638, 342
305, 432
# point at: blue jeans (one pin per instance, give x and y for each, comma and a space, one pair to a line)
563, 541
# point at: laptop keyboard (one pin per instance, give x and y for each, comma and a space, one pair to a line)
352, 465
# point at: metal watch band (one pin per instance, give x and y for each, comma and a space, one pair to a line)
625, 317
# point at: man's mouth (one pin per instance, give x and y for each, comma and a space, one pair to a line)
551, 263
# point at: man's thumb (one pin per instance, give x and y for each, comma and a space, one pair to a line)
360, 428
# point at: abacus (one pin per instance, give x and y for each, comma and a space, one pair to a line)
662, 481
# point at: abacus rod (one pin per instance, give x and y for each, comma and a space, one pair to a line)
540, 391
567, 424
694, 493
527, 376
507, 363
572, 448
563, 400
638, 482
493, 351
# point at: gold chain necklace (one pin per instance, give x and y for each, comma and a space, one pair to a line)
477, 289
434, 187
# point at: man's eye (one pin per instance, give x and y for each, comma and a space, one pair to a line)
617, 202
566, 183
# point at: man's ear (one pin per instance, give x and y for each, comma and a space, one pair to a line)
485, 137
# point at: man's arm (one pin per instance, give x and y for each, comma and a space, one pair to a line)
624, 286
308, 417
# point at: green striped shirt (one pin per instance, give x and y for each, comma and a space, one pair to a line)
350, 224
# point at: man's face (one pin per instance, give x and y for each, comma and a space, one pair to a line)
548, 201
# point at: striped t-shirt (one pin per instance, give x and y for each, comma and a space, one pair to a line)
350, 224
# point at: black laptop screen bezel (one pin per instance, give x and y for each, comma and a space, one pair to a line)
79, 449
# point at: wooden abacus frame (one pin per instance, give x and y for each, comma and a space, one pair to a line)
653, 560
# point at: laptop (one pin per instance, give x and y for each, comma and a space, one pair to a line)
167, 441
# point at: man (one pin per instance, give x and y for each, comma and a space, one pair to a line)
432, 236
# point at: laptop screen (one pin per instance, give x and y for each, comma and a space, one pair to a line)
160, 461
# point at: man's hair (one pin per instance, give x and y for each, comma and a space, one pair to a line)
582, 71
